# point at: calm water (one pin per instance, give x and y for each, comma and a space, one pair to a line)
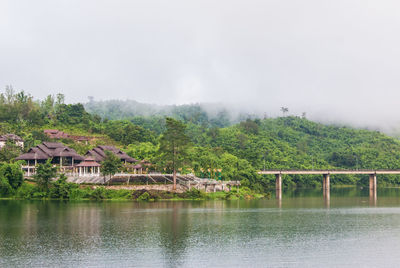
304, 230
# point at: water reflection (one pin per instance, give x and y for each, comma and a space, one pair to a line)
327, 197
297, 229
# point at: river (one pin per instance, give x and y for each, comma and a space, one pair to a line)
303, 230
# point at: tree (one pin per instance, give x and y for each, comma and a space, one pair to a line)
110, 165
9, 151
284, 110
61, 188
250, 126
142, 150
174, 144
44, 173
11, 177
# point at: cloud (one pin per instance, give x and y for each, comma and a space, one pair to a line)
336, 60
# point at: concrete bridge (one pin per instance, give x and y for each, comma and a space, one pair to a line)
326, 178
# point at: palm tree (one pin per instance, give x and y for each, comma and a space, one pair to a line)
284, 110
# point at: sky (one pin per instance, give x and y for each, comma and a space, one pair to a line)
338, 61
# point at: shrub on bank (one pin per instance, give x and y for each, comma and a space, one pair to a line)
98, 194
144, 197
61, 189
5, 188
26, 191
11, 178
118, 194
193, 193
79, 193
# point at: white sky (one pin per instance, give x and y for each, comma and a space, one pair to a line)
336, 60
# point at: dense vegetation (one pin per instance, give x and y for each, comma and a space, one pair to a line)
217, 148
150, 115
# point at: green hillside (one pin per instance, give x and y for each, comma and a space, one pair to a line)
230, 152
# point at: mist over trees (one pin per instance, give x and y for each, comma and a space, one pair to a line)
209, 115
219, 148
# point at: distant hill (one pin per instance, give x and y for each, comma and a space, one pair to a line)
216, 115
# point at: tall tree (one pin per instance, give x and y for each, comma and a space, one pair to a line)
174, 144
111, 164
44, 173
13, 174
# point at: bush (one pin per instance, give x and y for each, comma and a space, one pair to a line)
5, 188
98, 194
144, 197
245, 182
61, 189
13, 174
26, 191
118, 194
194, 193
78, 193
39, 195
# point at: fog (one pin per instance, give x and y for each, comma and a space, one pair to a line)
338, 61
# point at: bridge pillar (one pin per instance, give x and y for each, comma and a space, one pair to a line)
372, 188
326, 181
326, 189
372, 182
278, 186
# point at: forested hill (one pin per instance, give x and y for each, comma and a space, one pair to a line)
237, 150
202, 114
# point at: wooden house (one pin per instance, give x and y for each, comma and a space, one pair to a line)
17, 140
64, 157
88, 167
99, 154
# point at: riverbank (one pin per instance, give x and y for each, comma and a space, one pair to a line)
71, 191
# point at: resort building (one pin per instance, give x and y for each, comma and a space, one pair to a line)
64, 157
17, 140
57, 134
70, 162
130, 163
88, 167
99, 154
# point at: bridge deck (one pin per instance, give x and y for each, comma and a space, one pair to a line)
322, 172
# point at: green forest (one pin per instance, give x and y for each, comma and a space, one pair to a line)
219, 147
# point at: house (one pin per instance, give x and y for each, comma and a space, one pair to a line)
130, 163
99, 154
57, 134
17, 140
88, 167
66, 158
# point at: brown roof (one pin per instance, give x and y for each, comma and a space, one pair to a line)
99, 155
11, 137
138, 166
57, 134
88, 162
48, 150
